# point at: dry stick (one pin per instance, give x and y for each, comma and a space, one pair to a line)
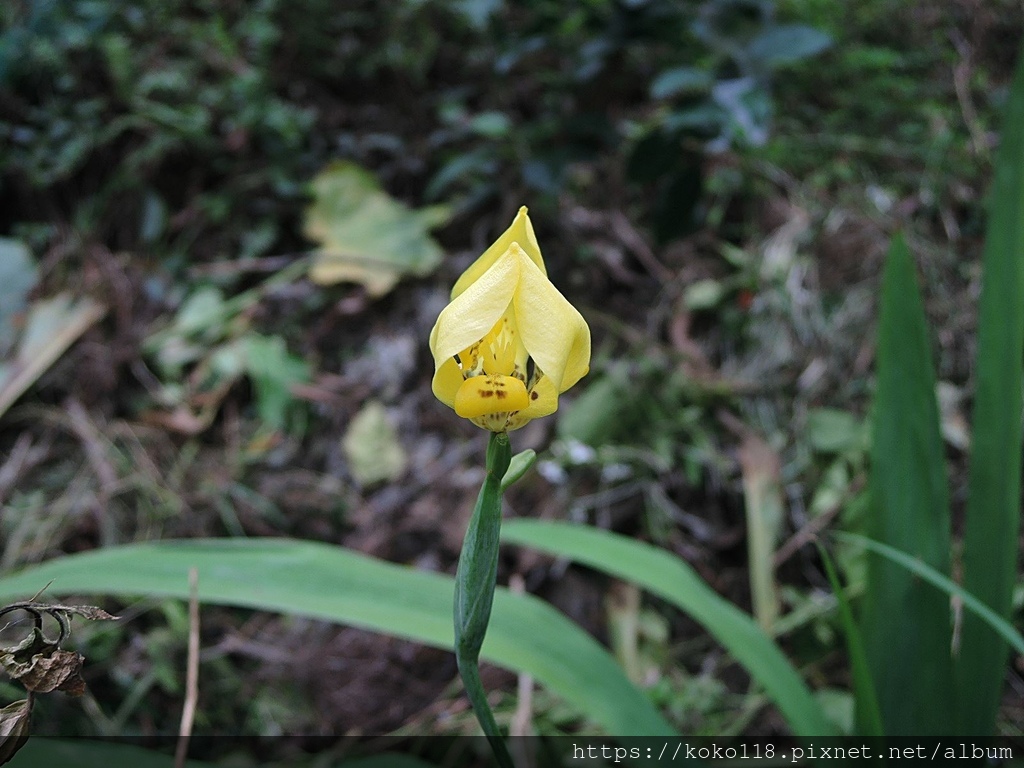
632, 239
96, 454
13, 466
188, 712
522, 718
809, 532
962, 86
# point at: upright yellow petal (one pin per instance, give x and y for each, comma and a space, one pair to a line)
521, 232
554, 333
472, 314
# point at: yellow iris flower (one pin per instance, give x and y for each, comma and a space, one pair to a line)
509, 343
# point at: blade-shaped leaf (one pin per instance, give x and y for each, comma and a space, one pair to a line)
670, 578
93, 754
993, 509
906, 624
81, 753
332, 583
995, 622
863, 685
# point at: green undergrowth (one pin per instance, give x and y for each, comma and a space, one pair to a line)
716, 184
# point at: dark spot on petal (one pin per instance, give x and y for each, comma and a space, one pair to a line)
534, 395
501, 394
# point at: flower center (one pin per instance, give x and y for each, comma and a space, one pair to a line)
495, 382
494, 354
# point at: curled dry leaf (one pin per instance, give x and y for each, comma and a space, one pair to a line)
38, 662
41, 666
14, 728
90, 612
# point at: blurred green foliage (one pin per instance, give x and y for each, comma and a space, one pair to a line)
135, 112
188, 130
653, 83
151, 122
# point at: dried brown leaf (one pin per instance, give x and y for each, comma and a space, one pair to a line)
59, 671
90, 612
15, 720
38, 662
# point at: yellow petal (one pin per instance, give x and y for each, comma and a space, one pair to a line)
484, 395
554, 333
543, 402
447, 380
471, 315
520, 232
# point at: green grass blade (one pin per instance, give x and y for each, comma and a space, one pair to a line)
332, 583
993, 507
92, 754
670, 578
984, 614
863, 686
905, 624
82, 753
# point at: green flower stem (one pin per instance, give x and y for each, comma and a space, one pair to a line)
474, 588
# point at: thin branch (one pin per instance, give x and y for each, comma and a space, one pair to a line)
188, 712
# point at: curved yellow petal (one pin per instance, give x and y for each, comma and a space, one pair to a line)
553, 331
521, 232
543, 402
472, 314
446, 382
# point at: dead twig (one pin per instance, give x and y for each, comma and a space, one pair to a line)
95, 448
522, 718
15, 464
962, 86
188, 712
809, 532
635, 242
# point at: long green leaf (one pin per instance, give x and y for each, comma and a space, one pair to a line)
673, 580
82, 753
993, 508
92, 754
863, 685
332, 583
990, 618
905, 624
